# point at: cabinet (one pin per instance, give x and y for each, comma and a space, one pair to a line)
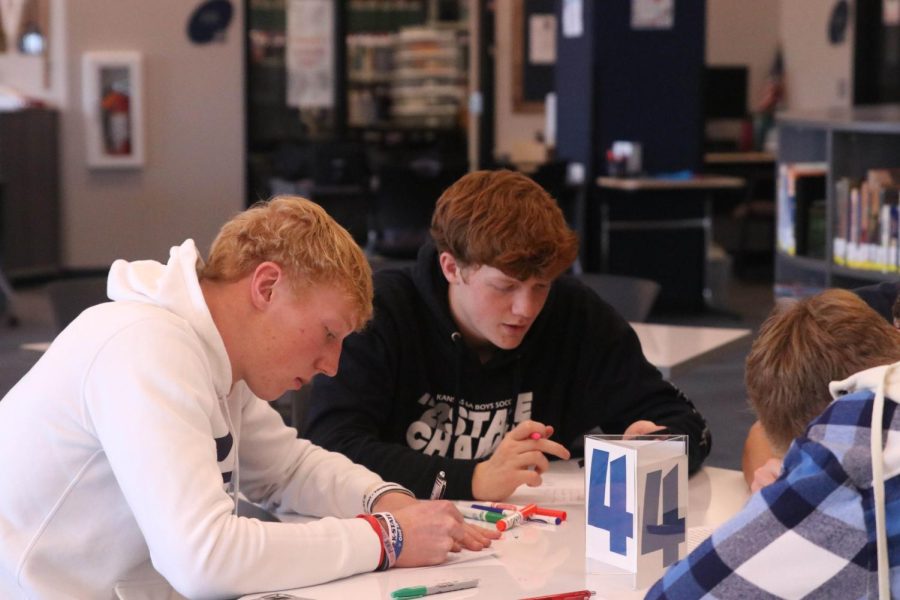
29, 203
849, 146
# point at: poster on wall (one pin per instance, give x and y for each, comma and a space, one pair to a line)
572, 18
542, 39
113, 109
11, 18
890, 13
309, 53
652, 14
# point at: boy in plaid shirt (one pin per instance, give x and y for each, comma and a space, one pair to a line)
814, 532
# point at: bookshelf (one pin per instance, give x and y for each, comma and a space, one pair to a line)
838, 183
400, 81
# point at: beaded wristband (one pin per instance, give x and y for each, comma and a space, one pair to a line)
383, 561
395, 534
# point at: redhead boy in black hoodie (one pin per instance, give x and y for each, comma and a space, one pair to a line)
484, 332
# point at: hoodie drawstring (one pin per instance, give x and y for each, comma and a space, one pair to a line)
235, 470
456, 338
877, 452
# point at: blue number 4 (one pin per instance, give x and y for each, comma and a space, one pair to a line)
670, 532
613, 518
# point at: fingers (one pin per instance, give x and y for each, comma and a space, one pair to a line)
766, 474
523, 430
643, 428
520, 440
554, 449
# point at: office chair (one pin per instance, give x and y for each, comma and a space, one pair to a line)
632, 297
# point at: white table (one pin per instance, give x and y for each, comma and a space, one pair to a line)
674, 349
536, 559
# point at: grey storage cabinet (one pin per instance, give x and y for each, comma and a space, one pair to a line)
29, 179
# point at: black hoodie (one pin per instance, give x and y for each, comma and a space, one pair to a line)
408, 374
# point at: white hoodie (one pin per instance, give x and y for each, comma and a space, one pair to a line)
114, 448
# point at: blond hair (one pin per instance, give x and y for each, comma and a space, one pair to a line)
504, 220
300, 237
804, 345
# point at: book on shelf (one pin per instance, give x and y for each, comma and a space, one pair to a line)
867, 222
801, 187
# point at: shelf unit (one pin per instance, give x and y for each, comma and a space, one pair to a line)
29, 193
850, 142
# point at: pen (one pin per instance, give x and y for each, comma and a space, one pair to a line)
545, 519
426, 590
510, 521
579, 595
479, 515
506, 512
440, 484
547, 512
502, 511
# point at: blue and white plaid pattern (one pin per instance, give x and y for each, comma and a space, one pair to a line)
811, 534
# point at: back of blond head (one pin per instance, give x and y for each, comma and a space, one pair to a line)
802, 347
302, 239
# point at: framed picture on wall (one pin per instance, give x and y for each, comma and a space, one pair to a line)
533, 53
112, 88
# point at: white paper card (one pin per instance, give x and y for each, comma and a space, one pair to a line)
652, 14
309, 53
542, 39
573, 18
636, 503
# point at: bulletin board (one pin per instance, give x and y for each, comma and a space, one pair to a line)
534, 53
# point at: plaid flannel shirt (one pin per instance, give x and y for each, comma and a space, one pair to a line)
811, 534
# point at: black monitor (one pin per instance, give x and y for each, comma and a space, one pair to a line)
725, 92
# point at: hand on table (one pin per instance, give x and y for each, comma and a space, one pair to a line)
766, 474
431, 529
511, 463
643, 428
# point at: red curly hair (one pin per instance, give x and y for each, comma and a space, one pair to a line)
504, 220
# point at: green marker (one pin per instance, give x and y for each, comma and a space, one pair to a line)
426, 590
479, 515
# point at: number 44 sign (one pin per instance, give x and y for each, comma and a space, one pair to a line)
636, 502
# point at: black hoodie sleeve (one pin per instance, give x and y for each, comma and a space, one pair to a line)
621, 386
356, 414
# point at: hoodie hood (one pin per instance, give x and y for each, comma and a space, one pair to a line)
869, 379
174, 287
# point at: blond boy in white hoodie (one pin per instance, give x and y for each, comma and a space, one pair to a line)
122, 451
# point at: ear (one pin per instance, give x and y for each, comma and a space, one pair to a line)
450, 267
262, 283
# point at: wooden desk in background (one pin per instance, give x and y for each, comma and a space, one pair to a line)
663, 231
738, 158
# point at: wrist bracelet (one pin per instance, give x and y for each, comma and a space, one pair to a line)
383, 561
372, 497
395, 534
